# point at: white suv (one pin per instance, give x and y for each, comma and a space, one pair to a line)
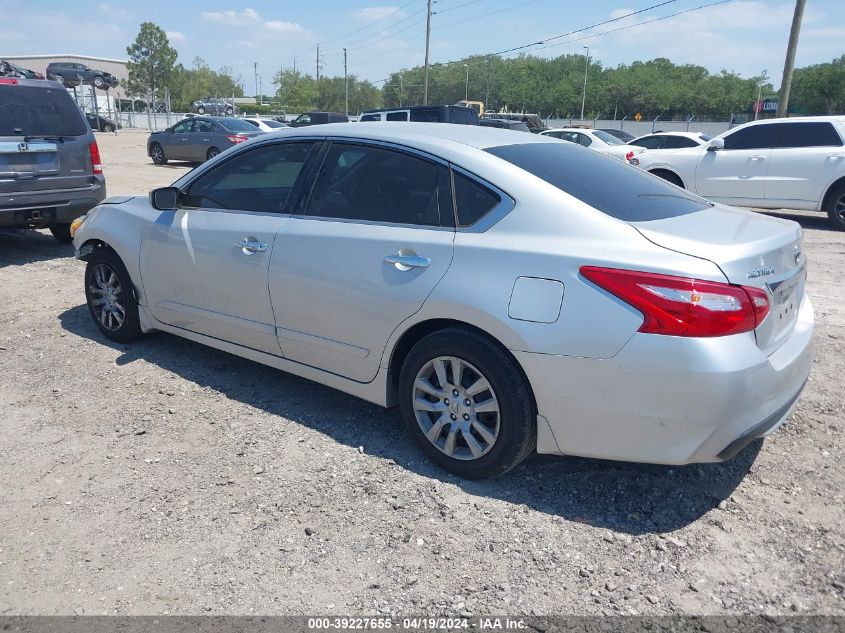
796, 163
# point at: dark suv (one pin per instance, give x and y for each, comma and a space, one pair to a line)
50, 170
73, 74
213, 105
318, 118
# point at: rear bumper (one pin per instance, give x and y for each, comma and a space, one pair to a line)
670, 400
39, 209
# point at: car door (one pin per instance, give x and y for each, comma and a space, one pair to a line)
177, 142
202, 138
374, 239
807, 159
204, 266
655, 141
737, 173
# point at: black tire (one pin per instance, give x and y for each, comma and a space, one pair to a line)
201, 110
99, 82
104, 259
59, 79
157, 154
517, 427
668, 176
836, 207
108, 127
61, 232
211, 153
230, 111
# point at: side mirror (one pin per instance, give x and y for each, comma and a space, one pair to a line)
716, 144
165, 198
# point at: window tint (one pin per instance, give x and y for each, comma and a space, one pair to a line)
204, 127
251, 122
463, 116
258, 180
634, 197
427, 115
357, 182
371, 117
303, 118
649, 142
677, 142
29, 110
397, 116
553, 134
472, 199
752, 137
608, 138
184, 127
808, 134
236, 125
583, 139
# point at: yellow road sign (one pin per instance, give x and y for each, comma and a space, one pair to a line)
638, 117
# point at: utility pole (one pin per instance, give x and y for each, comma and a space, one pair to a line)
584, 95
346, 81
427, 41
318, 62
789, 63
255, 71
400, 89
260, 92
466, 84
487, 96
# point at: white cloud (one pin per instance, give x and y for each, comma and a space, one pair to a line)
372, 14
232, 18
115, 12
175, 36
279, 26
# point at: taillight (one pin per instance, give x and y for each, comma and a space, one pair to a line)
8, 81
682, 306
237, 138
629, 156
94, 152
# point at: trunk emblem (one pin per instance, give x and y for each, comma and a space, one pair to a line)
761, 272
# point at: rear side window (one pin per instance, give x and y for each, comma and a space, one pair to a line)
371, 117
427, 115
464, 116
808, 134
634, 196
649, 142
753, 137
358, 182
261, 179
397, 116
472, 200
28, 110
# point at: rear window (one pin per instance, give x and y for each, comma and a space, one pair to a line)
237, 125
427, 115
608, 138
28, 110
633, 196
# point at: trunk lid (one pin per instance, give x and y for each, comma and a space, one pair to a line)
751, 249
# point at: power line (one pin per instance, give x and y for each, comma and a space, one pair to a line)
383, 31
460, 6
484, 15
388, 36
371, 24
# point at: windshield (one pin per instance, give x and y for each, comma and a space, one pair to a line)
634, 196
237, 125
29, 110
607, 138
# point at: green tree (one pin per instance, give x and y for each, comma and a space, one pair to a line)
151, 61
296, 90
820, 88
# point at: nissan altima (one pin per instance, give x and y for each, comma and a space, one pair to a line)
509, 292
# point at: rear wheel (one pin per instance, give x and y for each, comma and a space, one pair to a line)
110, 297
230, 111
99, 82
61, 232
668, 176
108, 127
836, 207
212, 152
201, 110
157, 154
467, 404
59, 79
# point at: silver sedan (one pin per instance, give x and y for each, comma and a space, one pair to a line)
511, 293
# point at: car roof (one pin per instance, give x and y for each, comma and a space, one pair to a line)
799, 119
37, 83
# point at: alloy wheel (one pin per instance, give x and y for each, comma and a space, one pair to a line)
158, 154
839, 208
456, 408
107, 297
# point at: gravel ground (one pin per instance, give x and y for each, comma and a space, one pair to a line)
165, 477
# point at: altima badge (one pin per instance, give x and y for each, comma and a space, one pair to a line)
761, 272
797, 254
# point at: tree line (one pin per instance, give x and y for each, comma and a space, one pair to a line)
551, 87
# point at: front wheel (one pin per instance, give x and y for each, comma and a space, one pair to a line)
201, 110
157, 154
108, 127
467, 404
212, 153
99, 82
110, 297
61, 232
230, 111
836, 207
59, 79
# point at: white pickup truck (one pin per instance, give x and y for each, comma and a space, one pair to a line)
795, 163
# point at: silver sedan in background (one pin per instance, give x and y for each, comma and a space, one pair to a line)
509, 292
197, 139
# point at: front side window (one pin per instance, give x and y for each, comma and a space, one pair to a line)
678, 142
204, 127
808, 134
752, 137
397, 116
359, 182
371, 117
184, 127
303, 118
261, 179
649, 142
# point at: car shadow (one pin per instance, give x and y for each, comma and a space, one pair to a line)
623, 497
818, 221
26, 246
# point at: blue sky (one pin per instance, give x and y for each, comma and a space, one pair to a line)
746, 36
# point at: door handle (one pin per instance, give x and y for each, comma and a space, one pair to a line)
407, 262
206, 140
248, 247
758, 158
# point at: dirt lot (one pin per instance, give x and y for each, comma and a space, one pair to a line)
165, 477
